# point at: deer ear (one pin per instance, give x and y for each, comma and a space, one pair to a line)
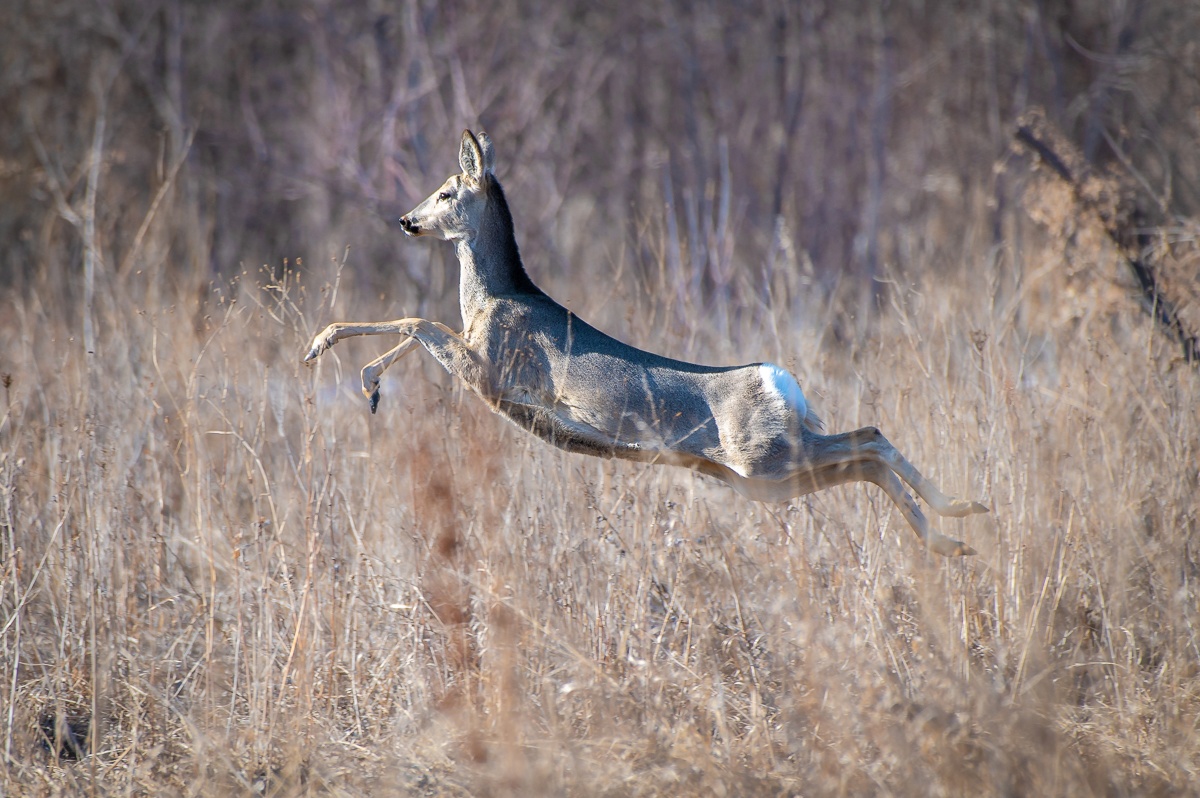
470, 157
489, 152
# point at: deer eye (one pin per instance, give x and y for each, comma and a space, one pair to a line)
445, 196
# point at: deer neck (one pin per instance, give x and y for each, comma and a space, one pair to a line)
477, 280
489, 261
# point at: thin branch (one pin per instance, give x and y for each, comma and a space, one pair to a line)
90, 248
135, 248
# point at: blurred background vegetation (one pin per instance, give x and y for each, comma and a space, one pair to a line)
836, 139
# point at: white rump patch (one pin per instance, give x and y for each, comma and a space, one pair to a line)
782, 384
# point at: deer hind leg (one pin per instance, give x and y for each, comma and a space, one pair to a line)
882, 475
940, 502
865, 455
869, 441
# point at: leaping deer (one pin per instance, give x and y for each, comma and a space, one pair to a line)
537, 363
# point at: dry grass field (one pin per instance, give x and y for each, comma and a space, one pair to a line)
221, 575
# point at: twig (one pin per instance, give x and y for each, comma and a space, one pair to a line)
136, 247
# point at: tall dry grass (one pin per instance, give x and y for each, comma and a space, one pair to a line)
222, 573
219, 574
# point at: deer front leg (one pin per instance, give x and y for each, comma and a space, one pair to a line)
444, 344
348, 329
374, 370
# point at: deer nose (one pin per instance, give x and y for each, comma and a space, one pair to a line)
409, 226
